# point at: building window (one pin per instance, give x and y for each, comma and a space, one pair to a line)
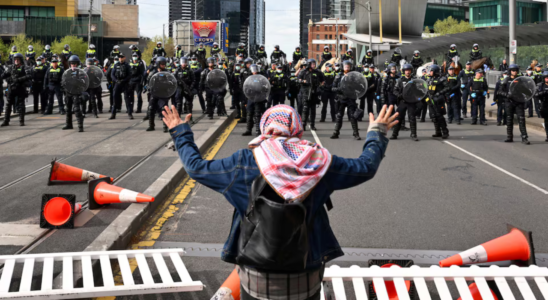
325, 36
317, 36
340, 36
317, 47
330, 37
317, 57
42, 12
12, 14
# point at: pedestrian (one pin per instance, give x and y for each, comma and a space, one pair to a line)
18, 77
295, 185
503, 66
344, 103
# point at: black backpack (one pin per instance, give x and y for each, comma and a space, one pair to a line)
273, 234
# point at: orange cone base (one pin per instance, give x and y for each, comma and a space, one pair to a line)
390, 287
61, 173
58, 211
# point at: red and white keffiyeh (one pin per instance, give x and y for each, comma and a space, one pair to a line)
290, 165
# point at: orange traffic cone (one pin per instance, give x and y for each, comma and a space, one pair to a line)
517, 245
62, 173
58, 211
101, 192
230, 290
390, 287
476, 293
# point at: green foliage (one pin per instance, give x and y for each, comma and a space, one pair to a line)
77, 46
21, 42
3, 51
426, 30
168, 46
451, 26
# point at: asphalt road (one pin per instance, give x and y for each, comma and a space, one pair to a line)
427, 195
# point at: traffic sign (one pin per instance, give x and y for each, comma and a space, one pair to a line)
513, 47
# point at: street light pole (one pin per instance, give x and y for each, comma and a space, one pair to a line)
399, 17
368, 7
380, 19
512, 28
89, 23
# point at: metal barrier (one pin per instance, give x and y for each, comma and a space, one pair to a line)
12, 265
523, 278
492, 78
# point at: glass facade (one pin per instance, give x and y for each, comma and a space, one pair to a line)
440, 12
12, 14
313, 10
42, 12
495, 13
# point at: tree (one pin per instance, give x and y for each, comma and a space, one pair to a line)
22, 42
77, 46
452, 26
147, 52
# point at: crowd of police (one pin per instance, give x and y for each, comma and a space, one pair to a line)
306, 83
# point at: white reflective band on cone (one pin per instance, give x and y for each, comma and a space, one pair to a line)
88, 175
474, 255
223, 293
128, 196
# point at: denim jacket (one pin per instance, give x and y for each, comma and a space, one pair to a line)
232, 177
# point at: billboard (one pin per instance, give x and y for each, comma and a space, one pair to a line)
204, 32
224, 37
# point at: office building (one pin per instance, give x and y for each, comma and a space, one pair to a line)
341, 9
328, 32
311, 10
181, 10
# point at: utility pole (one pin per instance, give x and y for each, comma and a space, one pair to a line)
337, 33
89, 24
512, 29
163, 35
399, 17
380, 19
368, 7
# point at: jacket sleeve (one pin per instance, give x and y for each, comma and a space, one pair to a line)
46, 79
346, 172
398, 88
216, 174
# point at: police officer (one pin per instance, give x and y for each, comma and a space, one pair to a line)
416, 61
337, 67
52, 83
279, 84
241, 51
185, 81
195, 89
293, 88
451, 53
38, 92
47, 54
95, 101
261, 53
465, 76
347, 56
30, 56
110, 81
375, 90
344, 103
310, 79
18, 77
179, 52
201, 55
137, 72
542, 96
91, 53
215, 49
479, 89
372, 77
513, 107
12, 54
368, 58
135, 49
67, 53
404, 106
1, 86
437, 88
156, 104
453, 96
237, 94
277, 53
396, 56
387, 87
538, 79
326, 55
121, 75
210, 94
297, 55
328, 96
159, 51
74, 101
475, 53
423, 107
255, 110
115, 52
500, 100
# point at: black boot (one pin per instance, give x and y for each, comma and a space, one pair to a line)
22, 115
249, 126
337, 131
436, 128
395, 131
68, 118
414, 131
354, 124
523, 131
150, 121
7, 116
444, 129
165, 127
509, 129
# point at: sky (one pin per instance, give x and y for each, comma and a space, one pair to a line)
282, 21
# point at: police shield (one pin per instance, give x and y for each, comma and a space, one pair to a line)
216, 80
353, 85
162, 85
256, 88
522, 89
415, 90
95, 75
75, 82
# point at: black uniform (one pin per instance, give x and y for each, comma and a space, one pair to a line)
297, 56
387, 90
279, 84
136, 50
416, 62
47, 54
113, 54
211, 96
403, 107
155, 104
261, 54
342, 105
396, 57
542, 96
293, 89
185, 81
31, 58
110, 85
159, 52
475, 54
277, 54
121, 75
1, 87
195, 89
95, 100
215, 51
367, 59
74, 104
237, 95
513, 107
453, 97
91, 53
66, 54
326, 56
241, 51
309, 93
503, 67
478, 90
134, 85
38, 92
501, 103
370, 95
52, 84
201, 56
255, 110
465, 76
328, 96
450, 54
18, 78
437, 88
345, 56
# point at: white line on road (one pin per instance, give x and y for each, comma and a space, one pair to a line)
499, 168
316, 137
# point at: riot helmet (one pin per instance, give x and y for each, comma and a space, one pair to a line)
435, 70
311, 63
48, 47
215, 45
254, 68
89, 61
30, 47
91, 46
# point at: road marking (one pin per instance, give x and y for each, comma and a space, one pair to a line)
499, 168
316, 137
151, 230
